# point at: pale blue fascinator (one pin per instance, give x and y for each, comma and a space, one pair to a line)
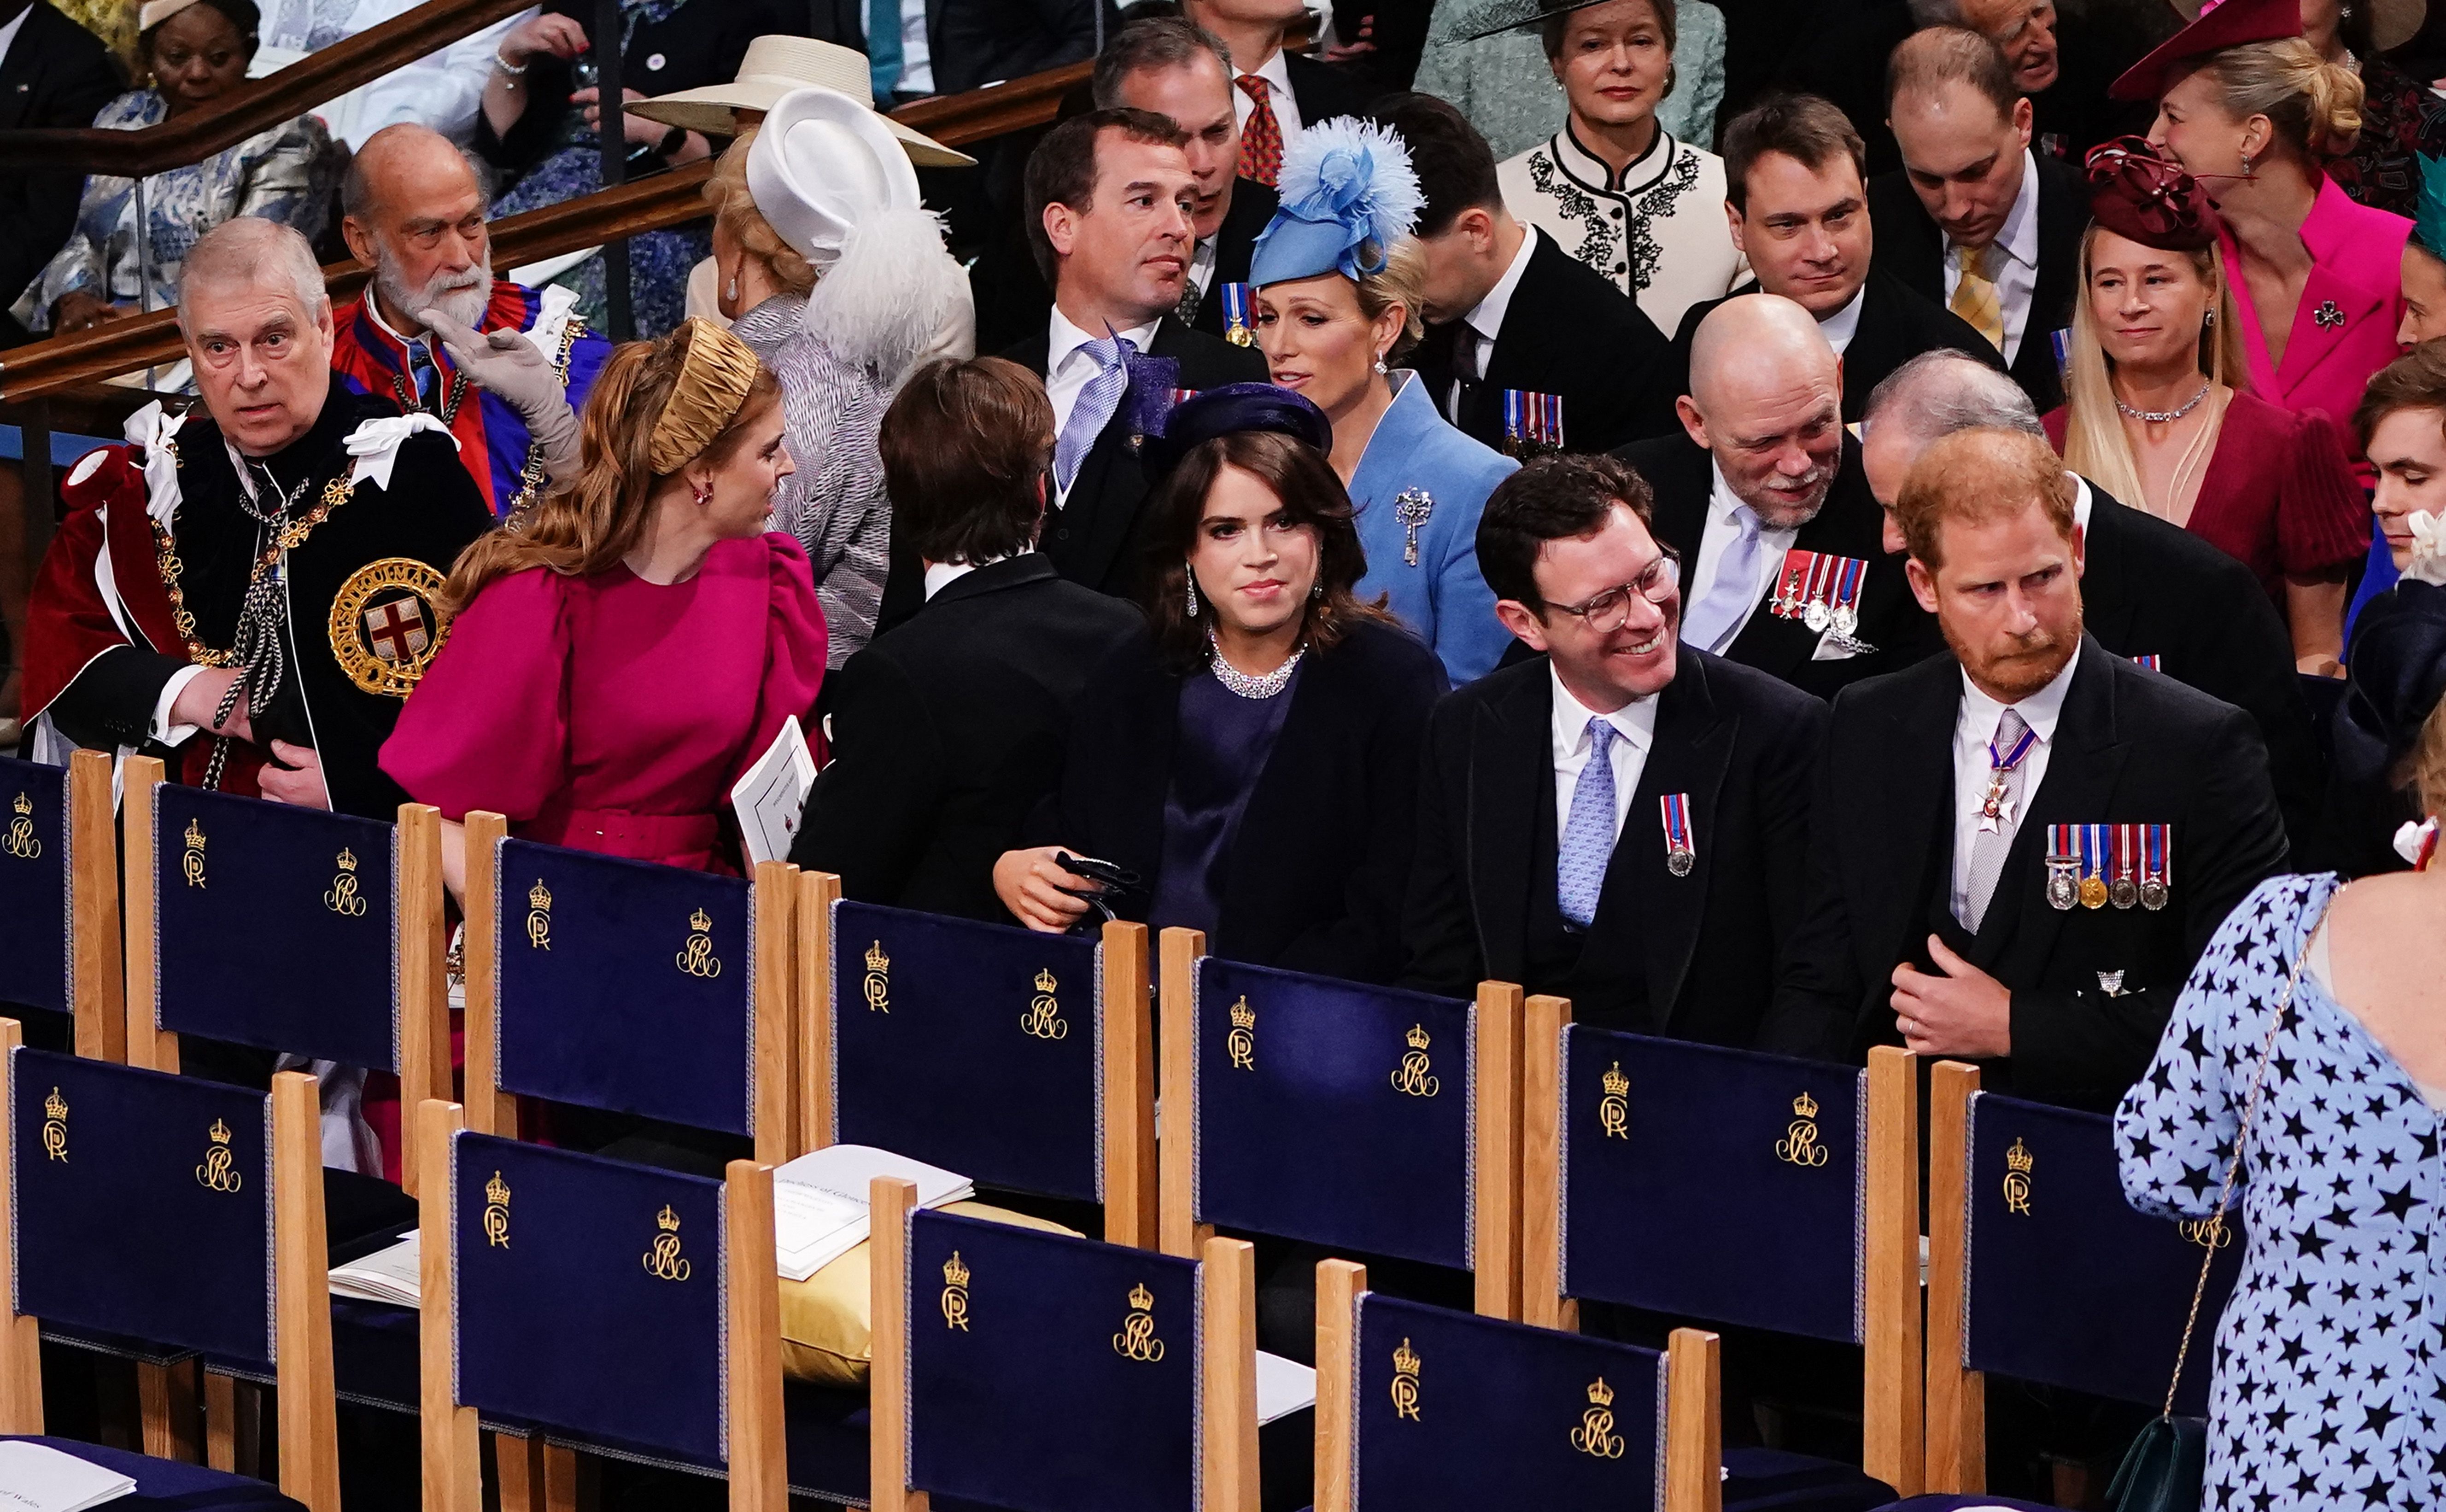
1348, 194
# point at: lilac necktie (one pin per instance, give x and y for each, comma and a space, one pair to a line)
1588, 834
1095, 408
1711, 623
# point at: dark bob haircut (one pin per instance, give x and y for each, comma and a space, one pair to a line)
1313, 497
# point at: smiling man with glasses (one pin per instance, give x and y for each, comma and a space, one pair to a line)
1619, 818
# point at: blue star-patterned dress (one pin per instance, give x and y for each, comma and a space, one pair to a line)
2328, 1391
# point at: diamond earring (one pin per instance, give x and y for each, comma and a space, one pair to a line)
1191, 579
1379, 364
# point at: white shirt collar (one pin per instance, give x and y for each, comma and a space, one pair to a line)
373, 308
2040, 711
9, 32
2081, 505
1634, 721
1722, 503
1066, 338
2018, 238
1277, 75
1839, 327
1487, 319
940, 575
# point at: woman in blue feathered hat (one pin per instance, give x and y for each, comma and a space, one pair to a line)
1336, 302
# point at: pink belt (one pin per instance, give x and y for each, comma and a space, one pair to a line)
674, 839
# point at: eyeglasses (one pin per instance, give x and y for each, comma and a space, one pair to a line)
1610, 611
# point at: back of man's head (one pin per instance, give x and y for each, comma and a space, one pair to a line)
1456, 167
1976, 478
1809, 129
247, 252
1152, 47
1940, 392
1062, 169
965, 449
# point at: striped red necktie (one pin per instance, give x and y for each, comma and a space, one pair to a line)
1261, 135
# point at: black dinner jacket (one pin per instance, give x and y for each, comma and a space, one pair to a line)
1322, 90
2149, 588
1568, 330
1911, 247
1848, 524
947, 731
1318, 866
56, 74
2129, 746
1253, 209
974, 43
1094, 538
1698, 953
1896, 324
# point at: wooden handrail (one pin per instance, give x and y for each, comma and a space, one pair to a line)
259, 104
651, 203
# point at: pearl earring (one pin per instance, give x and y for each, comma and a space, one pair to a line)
733, 295
1191, 578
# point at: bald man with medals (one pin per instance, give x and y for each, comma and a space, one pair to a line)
250, 589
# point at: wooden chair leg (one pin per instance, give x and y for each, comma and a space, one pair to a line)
220, 1423
247, 1419
518, 1465
166, 1405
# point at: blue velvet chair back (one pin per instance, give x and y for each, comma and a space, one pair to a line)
143, 1205
1458, 1413
589, 1297
1715, 1183
2065, 1283
275, 927
971, 1046
1334, 1112
626, 986
1048, 1374
37, 952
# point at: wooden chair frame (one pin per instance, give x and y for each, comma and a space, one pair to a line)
1226, 1450
1892, 1431
1694, 1449
1495, 1070
533, 1475
491, 1110
1957, 1397
308, 1410
1129, 1152
424, 1068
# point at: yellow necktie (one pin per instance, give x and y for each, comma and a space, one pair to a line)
1975, 298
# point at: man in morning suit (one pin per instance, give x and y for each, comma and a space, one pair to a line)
946, 730
1784, 567
2018, 852
1618, 821
1795, 197
1171, 67
1110, 207
2149, 591
1974, 217
1276, 92
1506, 309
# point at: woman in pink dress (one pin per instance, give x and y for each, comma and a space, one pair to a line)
621, 657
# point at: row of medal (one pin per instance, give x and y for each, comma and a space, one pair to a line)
1532, 422
2094, 865
1820, 590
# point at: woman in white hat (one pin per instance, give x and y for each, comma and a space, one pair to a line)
194, 51
830, 266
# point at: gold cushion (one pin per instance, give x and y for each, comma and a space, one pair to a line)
827, 1330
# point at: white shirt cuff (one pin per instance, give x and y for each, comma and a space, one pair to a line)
160, 729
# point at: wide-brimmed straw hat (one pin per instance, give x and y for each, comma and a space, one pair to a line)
773, 68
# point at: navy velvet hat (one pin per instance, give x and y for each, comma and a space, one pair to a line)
1236, 408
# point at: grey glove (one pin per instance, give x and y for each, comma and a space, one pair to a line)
506, 364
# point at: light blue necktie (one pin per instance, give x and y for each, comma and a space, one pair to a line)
421, 371
1710, 623
1588, 836
1094, 410
883, 56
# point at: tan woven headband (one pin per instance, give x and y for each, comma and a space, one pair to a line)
713, 384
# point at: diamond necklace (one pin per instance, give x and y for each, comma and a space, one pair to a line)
2164, 417
1245, 685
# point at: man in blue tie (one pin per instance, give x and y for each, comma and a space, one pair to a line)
1782, 541
1617, 820
1111, 202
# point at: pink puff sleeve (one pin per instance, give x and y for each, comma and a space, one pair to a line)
2322, 517
488, 726
795, 646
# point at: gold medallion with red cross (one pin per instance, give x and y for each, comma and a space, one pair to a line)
386, 625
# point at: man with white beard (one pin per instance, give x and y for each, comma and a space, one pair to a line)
504, 368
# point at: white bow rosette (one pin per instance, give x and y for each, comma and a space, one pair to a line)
375, 445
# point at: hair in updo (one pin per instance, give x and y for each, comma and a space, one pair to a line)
2315, 106
2429, 762
595, 518
734, 209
